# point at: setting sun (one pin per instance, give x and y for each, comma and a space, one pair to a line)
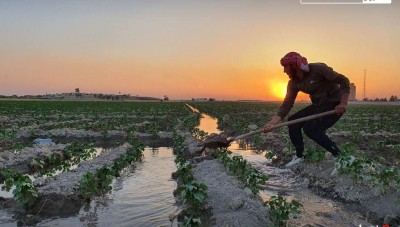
279, 90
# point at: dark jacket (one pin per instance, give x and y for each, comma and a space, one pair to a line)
321, 83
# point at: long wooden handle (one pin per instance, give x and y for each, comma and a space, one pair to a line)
285, 124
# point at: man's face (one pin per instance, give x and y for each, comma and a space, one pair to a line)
290, 71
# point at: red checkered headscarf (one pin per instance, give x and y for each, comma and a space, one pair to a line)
294, 58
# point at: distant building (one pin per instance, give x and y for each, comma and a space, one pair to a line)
199, 99
352, 96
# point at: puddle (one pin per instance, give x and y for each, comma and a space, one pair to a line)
142, 196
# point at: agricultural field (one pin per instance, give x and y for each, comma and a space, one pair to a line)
51, 164
368, 132
50, 161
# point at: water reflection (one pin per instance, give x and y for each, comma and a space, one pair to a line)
207, 123
210, 125
142, 196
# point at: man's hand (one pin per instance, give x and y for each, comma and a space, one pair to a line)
275, 120
341, 109
267, 127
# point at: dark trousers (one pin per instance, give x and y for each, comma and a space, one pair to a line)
314, 129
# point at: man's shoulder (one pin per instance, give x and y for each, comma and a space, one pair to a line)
318, 65
319, 68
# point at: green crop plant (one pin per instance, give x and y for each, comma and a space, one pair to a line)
280, 209
355, 137
238, 165
184, 169
241, 169
194, 193
178, 140
199, 134
24, 193
191, 221
33, 133
38, 163
94, 184
71, 155
18, 146
396, 148
223, 156
152, 129
257, 139
398, 190
345, 159
386, 177
314, 154
355, 167
365, 170
104, 134
105, 175
254, 180
88, 186
3, 132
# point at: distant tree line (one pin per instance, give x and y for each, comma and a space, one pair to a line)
78, 95
392, 98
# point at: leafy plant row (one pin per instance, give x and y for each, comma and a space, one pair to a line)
243, 170
279, 207
367, 171
98, 183
238, 115
193, 193
71, 155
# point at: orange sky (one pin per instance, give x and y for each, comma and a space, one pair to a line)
222, 49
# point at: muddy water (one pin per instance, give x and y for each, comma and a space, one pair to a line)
317, 211
142, 196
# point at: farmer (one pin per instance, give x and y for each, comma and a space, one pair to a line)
328, 90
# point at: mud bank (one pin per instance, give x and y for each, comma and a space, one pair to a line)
113, 137
60, 195
21, 162
194, 147
378, 207
228, 201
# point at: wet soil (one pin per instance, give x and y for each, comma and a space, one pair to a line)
229, 202
328, 200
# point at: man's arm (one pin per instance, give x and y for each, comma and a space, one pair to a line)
341, 108
285, 108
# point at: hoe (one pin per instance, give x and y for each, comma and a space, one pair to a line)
217, 140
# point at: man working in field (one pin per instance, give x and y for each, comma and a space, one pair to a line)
328, 90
